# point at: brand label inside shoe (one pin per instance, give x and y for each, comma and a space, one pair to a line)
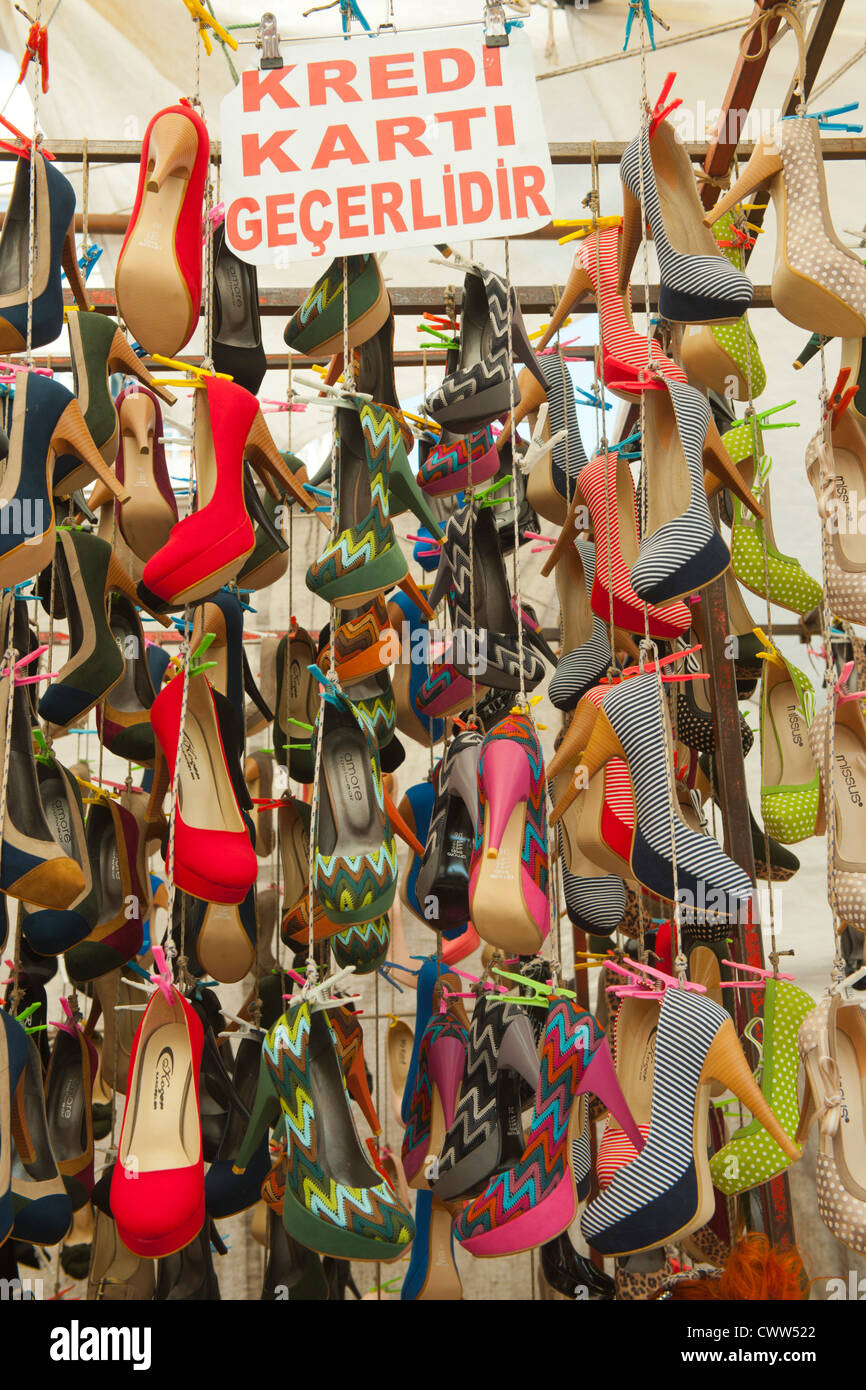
843, 1107
68, 1098
57, 815
457, 846
114, 867
231, 282
848, 778
162, 1077
842, 496
294, 679
189, 757
648, 1060
513, 1124
351, 777
794, 725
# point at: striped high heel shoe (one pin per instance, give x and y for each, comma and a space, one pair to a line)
726, 356
585, 654
697, 283
666, 1191
537, 1199
552, 479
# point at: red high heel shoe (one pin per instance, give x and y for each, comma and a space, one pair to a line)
157, 1190
213, 857
159, 270
606, 489
208, 548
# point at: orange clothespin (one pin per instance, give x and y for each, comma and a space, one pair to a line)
37, 47
22, 149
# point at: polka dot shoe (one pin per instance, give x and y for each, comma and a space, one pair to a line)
790, 788
787, 582
846, 798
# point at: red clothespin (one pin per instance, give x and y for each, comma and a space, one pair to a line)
658, 114
23, 149
840, 397
37, 47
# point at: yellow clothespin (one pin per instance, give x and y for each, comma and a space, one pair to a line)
96, 794
425, 424
540, 332
533, 700
206, 21
772, 653
198, 374
582, 227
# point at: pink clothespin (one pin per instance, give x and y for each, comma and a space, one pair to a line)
8, 371
162, 975
843, 695
71, 1025
216, 217
760, 983
26, 661
273, 407
566, 342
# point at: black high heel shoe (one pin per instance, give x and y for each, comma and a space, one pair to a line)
188, 1275
570, 1273
237, 332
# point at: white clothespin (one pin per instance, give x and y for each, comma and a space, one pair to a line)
458, 262
317, 994
331, 397
244, 1028
539, 447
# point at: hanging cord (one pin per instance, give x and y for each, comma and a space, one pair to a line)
786, 12
9, 659
515, 559
85, 194
593, 202
31, 238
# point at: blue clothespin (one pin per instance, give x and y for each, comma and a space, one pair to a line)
348, 11
182, 625
138, 349
591, 398
824, 123
634, 7
89, 259
317, 491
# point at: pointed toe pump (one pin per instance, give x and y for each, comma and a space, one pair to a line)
207, 548
697, 283
508, 883
840, 471
723, 357
159, 269
123, 716
818, 283
145, 521
43, 1209
51, 932
116, 855
844, 799
157, 1191
237, 330
69, 1109
442, 883
335, 1201
791, 801
54, 201
214, 858
433, 1101
585, 655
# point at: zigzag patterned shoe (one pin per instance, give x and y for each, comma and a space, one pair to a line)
442, 882
486, 1136
457, 463
508, 897
355, 863
440, 1069
316, 328
538, 1198
364, 945
335, 1202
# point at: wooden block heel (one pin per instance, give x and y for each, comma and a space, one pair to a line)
172, 150
718, 461
122, 358
764, 163
725, 1062
71, 436
631, 237
268, 463
577, 285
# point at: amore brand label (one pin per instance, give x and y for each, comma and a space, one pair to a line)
388, 141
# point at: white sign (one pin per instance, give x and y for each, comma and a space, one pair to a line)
376, 143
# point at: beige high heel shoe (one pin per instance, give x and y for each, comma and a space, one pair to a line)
818, 283
845, 799
840, 508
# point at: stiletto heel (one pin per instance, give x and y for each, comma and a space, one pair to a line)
726, 1063
576, 286
603, 745
399, 825
72, 270
507, 782
522, 347
267, 460
411, 590
600, 1079
121, 358
441, 1065
719, 462
349, 1037
765, 162
574, 740
403, 485
154, 817
631, 237
265, 1112
71, 436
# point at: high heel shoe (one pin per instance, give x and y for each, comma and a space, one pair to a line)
550, 483
47, 424
97, 348
631, 725
537, 1199
438, 1078
831, 1042
375, 481
68, 1107
697, 283
695, 725
843, 797
363, 945
146, 520
681, 550
508, 895
88, 572
115, 1275
335, 1202
478, 391
50, 932
54, 211
316, 328
486, 1135
751, 1157
237, 347
349, 1039
791, 807
123, 716
409, 674
624, 355
157, 1190
725, 357
818, 283
585, 654
227, 1193
119, 1026
207, 548
844, 487
458, 462
666, 1191
117, 864
43, 1209
34, 866
355, 863
399, 1043
159, 269
296, 704
269, 560
188, 1275
14, 1053
606, 488
214, 859
442, 881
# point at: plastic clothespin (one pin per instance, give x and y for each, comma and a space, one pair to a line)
825, 124
659, 111
36, 48
71, 1023
161, 977
10, 370
839, 691
269, 407
216, 217
26, 661
541, 996
205, 22
198, 374
486, 496
22, 150
762, 974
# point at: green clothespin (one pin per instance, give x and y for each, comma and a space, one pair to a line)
764, 415
486, 496
195, 665
28, 1013
42, 751
540, 997
299, 724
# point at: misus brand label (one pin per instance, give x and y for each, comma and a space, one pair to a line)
163, 1074
794, 725
848, 778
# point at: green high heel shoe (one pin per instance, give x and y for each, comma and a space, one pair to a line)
335, 1201
97, 347
752, 1157
791, 802
717, 355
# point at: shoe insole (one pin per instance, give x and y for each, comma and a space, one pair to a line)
354, 499
636, 1034
849, 787
58, 814
573, 603
127, 694
852, 1086
110, 880
111, 1262
338, 1149
787, 759
849, 540
303, 697
233, 286
442, 1282
353, 823
165, 1129
669, 484
400, 1042
147, 518
65, 1103
33, 1157
206, 797
451, 883
678, 202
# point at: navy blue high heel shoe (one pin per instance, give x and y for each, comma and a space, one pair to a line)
55, 249
14, 1047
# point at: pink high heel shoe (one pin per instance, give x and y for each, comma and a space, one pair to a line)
441, 1064
508, 898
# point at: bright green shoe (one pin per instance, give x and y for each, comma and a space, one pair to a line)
316, 328
752, 1157
791, 805
717, 355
